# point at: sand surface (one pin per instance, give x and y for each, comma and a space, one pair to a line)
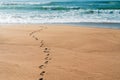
58, 52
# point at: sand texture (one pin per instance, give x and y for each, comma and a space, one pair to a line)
58, 52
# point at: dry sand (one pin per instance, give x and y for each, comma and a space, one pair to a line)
75, 53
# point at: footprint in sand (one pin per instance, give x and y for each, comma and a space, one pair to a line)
41, 45
47, 54
46, 50
46, 62
41, 79
41, 26
46, 58
40, 30
36, 38
41, 66
33, 36
50, 59
30, 34
41, 41
42, 73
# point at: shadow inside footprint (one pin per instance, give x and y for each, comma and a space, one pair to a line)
41, 41
41, 45
41, 79
47, 54
46, 62
41, 66
46, 50
36, 38
42, 73
46, 58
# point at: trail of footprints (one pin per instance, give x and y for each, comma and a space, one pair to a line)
46, 52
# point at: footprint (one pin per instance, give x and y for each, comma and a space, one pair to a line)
46, 51
30, 34
41, 41
42, 73
41, 26
41, 79
50, 59
40, 30
36, 38
41, 45
46, 48
41, 66
47, 54
47, 58
46, 62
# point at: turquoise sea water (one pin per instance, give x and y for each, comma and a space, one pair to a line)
59, 12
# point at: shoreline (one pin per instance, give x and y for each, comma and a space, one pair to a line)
79, 24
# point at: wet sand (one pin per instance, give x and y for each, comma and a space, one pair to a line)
58, 52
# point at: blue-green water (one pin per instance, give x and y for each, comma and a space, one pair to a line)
59, 12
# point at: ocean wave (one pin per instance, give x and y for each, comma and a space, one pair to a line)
59, 12
62, 5
24, 3
62, 17
40, 8
59, 8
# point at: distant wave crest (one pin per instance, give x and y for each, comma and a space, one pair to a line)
63, 5
24, 3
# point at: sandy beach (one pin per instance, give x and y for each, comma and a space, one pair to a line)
58, 52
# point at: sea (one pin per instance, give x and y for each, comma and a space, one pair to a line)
35, 11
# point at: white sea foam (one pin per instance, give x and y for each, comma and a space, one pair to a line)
56, 17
